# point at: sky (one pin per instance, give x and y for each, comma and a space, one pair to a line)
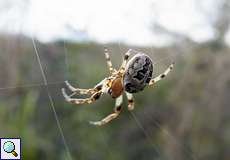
124, 21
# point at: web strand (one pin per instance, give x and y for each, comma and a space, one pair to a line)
166, 132
51, 101
186, 151
105, 142
66, 61
144, 131
163, 130
140, 126
31, 85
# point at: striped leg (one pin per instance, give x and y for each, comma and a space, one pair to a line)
126, 57
81, 91
90, 100
161, 76
108, 60
113, 115
130, 101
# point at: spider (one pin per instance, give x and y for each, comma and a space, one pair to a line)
131, 77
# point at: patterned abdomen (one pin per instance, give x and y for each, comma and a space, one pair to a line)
138, 73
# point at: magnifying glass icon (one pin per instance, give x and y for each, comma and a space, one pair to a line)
9, 147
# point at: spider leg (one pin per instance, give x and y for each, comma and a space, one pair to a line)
111, 116
161, 76
80, 91
89, 100
108, 60
90, 91
130, 101
125, 59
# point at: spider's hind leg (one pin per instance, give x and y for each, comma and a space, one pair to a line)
113, 115
161, 76
130, 101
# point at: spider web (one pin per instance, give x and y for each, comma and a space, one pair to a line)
102, 132
134, 117
105, 135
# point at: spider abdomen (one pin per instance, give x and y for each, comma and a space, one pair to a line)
138, 73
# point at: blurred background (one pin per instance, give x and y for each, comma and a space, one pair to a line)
183, 117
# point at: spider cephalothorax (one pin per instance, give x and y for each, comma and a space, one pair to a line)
116, 88
132, 77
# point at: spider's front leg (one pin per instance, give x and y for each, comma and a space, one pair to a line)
81, 91
89, 100
112, 116
89, 91
161, 76
96, 92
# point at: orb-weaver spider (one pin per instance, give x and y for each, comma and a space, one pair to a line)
131, 77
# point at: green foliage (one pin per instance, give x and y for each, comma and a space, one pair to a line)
182, 117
